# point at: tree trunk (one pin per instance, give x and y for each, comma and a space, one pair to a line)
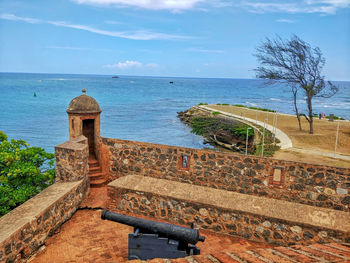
310, 120
296, 107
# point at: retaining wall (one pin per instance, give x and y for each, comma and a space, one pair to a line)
315, 185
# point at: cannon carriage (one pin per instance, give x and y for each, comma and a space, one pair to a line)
153, 239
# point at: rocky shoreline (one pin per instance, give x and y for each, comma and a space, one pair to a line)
219, 131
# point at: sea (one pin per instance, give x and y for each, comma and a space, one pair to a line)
33, 106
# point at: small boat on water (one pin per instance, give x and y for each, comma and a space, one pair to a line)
115, 77
171, 82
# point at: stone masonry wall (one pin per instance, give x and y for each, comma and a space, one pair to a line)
72, 160
253, 227
24, 230
31, 235
315, 185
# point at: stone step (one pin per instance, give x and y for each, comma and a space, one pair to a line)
95, 172
93, 164
96, 176
94, 169
98, 183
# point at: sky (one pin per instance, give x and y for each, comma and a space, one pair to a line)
177, 38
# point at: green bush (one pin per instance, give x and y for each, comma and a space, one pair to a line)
24, 172
215, 113
336, 118
206, 125
202, 104
252, 108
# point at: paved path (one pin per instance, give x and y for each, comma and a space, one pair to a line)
328, 154
285, 141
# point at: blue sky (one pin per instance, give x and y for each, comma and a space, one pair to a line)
189, 38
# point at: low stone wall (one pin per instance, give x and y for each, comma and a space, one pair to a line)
255, 218
315, 185
25, 229
72, 160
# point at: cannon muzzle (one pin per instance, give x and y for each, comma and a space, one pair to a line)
183, 234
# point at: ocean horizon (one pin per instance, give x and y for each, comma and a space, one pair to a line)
141, 108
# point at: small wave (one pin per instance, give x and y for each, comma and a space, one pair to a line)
251, 104
275, 99
59, 79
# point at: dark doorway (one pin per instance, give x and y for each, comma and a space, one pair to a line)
89, 133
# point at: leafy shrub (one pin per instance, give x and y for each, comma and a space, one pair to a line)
262, 109
252, 108
206, 125
24, 172
336, 118
242, 131
215, 113
202, 104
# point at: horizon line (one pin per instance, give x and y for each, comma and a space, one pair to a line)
94, 74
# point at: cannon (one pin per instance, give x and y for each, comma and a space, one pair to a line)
153, 239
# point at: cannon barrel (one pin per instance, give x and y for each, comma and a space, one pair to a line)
179, 233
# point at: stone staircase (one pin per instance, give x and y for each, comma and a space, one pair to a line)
97, 177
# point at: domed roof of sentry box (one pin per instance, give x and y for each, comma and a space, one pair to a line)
83, 104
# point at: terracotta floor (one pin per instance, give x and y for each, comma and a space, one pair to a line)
88, 238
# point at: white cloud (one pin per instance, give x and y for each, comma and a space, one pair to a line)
301, 6
19, 18
204, 50
137, 35
147, 4
77, 48
112, 22
127, 64
67, 48
289, 21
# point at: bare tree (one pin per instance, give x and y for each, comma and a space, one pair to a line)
295, 63
294, 90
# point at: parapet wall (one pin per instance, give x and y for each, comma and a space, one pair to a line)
72, 160
24, 230
256, 218
310, 184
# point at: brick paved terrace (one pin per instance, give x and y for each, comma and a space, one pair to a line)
88, 238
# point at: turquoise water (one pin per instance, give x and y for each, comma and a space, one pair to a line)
135, 108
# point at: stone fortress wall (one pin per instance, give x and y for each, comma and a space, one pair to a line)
292, 203
24, 230
303, 183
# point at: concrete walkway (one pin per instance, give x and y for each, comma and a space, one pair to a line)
285, 141
327, 154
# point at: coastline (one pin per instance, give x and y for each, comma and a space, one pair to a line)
314, 148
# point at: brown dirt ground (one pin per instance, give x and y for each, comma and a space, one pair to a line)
323, 139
